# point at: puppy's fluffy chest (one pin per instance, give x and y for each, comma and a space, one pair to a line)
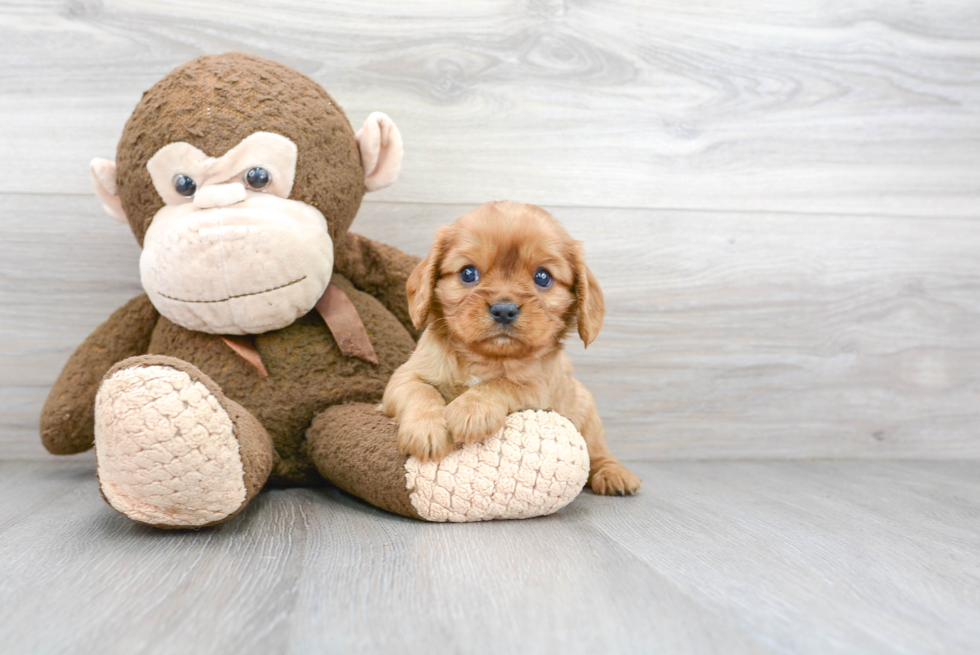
546, 376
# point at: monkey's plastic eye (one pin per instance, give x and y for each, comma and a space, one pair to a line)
469, 275
185, 186
543, 278
257, 177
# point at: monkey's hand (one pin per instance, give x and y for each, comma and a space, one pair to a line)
380, 270
68, 417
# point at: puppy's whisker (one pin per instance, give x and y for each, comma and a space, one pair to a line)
439, 322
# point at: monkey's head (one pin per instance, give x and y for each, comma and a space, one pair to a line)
237, 175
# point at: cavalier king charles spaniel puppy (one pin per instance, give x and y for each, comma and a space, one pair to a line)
499, 291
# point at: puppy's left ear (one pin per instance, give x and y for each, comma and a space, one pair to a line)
590, 303
421, 284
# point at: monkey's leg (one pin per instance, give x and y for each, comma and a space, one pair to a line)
172, 450
534, 466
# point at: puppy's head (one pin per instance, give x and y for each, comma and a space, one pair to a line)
506, 281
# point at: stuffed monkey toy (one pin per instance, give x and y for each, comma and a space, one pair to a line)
267, 332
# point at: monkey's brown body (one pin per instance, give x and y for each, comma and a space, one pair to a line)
214, 103
307, 374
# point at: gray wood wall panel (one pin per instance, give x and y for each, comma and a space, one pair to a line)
727, 334
870, 107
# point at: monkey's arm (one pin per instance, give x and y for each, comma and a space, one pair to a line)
380, 270
68, 417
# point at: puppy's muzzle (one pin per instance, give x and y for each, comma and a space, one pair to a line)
504, 312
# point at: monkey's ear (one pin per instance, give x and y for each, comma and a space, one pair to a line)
381, 148
421, 284
590, 303
104, 181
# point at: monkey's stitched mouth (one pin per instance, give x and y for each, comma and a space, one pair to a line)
241, 295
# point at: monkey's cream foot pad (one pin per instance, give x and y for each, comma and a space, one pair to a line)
535, 465
166, 449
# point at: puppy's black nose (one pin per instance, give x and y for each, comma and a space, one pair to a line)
504, 312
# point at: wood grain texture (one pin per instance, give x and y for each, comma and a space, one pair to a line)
727, 334
868, 108
711, 557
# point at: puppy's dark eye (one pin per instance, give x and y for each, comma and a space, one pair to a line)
257, 178
185, 186
469, 275
543, 278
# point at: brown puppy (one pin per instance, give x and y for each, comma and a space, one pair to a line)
500, 289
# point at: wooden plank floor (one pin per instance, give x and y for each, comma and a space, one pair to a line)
712, 557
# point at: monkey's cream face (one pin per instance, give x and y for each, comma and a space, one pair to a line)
229, 253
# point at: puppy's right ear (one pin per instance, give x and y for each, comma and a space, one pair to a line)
421, 284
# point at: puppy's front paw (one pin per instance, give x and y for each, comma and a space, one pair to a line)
613, 479
472, 417
425, 437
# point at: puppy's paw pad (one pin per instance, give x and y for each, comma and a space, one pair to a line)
425, 439
471, 419
614, 480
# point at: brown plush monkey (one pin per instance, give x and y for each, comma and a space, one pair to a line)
267, 331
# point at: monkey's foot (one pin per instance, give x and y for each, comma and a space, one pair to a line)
172, 450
